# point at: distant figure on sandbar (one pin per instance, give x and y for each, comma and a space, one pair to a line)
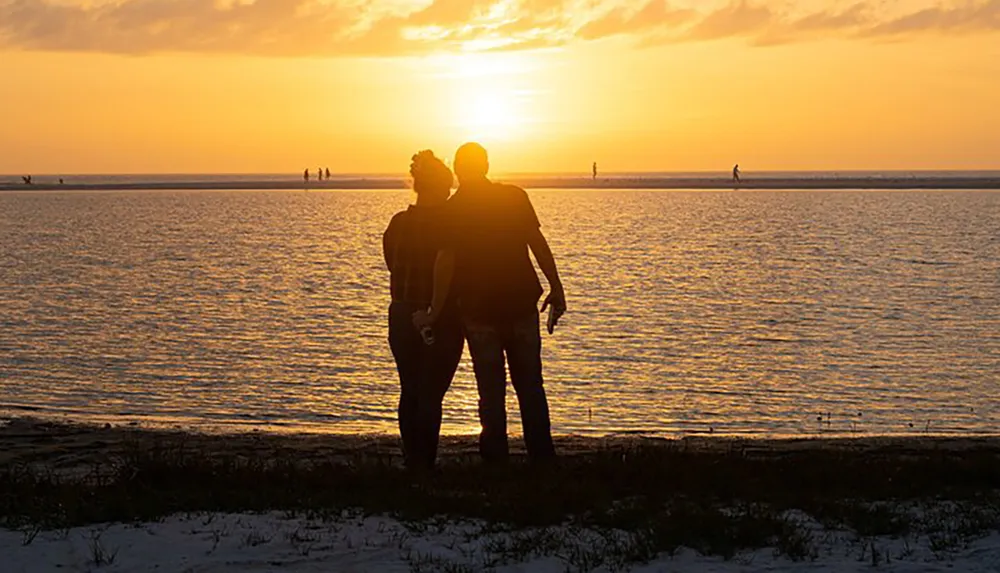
305, 175
61, 181
319, 173
425, 358
736, 173
490, 229
327, 173
26, 179
595, 171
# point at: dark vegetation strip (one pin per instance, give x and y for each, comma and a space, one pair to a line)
649, 485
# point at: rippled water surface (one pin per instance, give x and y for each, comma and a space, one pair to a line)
732, 312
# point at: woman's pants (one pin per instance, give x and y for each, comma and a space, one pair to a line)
425, 373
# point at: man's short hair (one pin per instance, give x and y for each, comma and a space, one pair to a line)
471, 159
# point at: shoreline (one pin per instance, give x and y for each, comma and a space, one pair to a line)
606, 183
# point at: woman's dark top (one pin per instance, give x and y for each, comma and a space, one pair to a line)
410, 245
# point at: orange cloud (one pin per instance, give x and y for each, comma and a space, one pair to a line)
323, 28
655, 14
969, 17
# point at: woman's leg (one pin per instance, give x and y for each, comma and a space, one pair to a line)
443, 358
407, 349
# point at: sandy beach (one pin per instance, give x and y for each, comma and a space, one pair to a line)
124, 498
360, 544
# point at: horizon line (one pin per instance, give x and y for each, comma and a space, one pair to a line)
582, 172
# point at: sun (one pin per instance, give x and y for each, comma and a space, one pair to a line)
488, 114
487, 99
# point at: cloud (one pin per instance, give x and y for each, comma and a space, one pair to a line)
448, 12
257, 27
968, 17
276, 27
285, 28
848, 21
736, 19
854, 16
655, 14
762, 25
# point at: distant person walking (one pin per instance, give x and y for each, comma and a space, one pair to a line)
319, 173
595, 171
489, 230
305, 175
327, 173
736, 173
426, 360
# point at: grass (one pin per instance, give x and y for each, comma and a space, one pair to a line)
630, 503
99, 555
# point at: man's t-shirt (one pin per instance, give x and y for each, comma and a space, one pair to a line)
488, 228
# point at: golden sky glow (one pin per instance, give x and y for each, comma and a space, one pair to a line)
548, 85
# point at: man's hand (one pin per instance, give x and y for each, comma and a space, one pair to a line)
423, 318
557, 299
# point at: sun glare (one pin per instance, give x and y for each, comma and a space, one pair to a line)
486, 102
486, 114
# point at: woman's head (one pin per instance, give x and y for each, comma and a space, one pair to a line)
432, 180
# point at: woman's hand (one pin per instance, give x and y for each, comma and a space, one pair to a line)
424, 318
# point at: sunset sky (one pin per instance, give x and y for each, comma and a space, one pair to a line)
142, 86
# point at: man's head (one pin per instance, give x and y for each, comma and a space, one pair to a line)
471, 163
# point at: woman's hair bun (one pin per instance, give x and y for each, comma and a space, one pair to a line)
427, 168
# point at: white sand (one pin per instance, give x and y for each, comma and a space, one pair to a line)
276, 542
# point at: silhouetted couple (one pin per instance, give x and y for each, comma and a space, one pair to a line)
460, 267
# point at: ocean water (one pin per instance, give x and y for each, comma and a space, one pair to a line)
748, 313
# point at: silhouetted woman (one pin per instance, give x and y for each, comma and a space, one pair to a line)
410, 246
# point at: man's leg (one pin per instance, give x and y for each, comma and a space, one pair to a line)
524, 357
486, 350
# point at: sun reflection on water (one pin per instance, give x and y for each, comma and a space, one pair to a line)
690, 313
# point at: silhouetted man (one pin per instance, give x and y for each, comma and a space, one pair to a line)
736, 173
595, 171
489, 230
305, 175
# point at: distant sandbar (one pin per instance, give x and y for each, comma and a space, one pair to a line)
612, 182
